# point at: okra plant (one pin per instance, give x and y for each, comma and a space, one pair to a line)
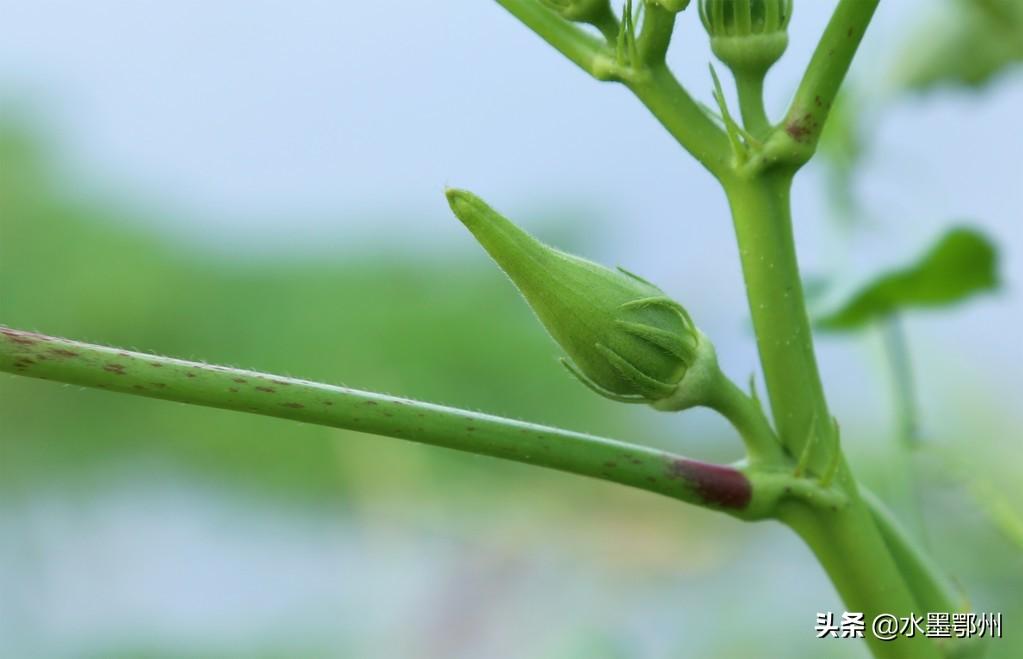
627, 341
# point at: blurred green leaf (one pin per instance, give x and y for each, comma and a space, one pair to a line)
962, 263
968, 43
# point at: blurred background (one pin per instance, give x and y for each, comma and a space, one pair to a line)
260, 184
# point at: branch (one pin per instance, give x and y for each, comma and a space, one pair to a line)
658, 26
571, 41
672, 105
747, 417
824, 75
72, 362
650, 80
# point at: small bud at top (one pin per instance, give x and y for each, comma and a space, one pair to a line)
747, 35
625, 338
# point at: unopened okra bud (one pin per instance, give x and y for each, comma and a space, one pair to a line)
749, 36
624, 338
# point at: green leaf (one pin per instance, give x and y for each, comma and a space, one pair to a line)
967, 43
962, 263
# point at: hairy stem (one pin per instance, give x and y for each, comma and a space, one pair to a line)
73, 362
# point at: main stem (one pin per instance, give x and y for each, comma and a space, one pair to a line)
763, 227
846, 541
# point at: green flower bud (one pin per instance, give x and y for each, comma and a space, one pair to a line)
626, 340
747, 35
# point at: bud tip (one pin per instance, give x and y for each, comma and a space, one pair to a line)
466, 206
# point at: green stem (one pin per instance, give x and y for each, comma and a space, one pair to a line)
683, 117
570, 40
607, 23
658, 25
932, 590
750, 87
651, 80
73, 362
846, 540
856, 558
748, 419
824, 75
763, 227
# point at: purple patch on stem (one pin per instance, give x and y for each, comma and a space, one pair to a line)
716, 485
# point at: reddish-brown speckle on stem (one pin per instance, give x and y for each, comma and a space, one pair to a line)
20, 337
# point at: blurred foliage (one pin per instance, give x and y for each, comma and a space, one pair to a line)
965, 42
841, 150
970, 504
962, 263
450, 331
